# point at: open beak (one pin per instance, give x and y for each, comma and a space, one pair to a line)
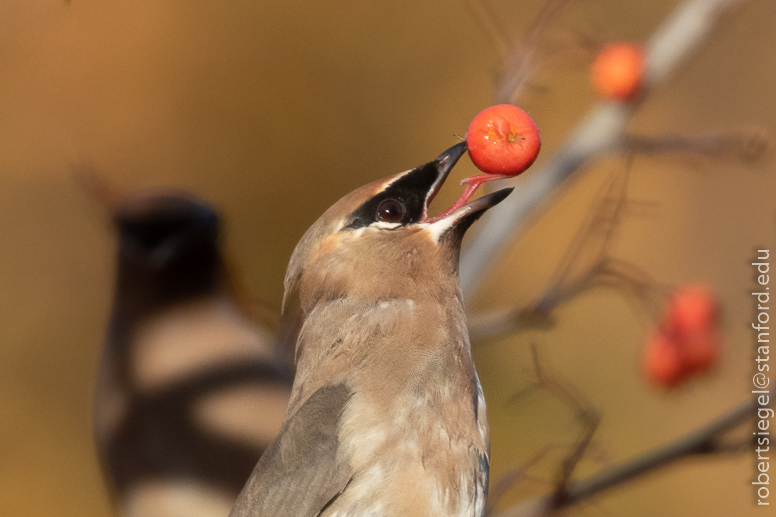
461, 212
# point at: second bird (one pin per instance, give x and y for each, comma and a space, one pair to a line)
190, 390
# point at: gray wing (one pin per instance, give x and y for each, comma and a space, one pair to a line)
300, 473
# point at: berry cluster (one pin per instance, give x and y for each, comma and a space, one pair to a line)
687, 341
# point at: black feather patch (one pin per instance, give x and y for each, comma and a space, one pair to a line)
410, 191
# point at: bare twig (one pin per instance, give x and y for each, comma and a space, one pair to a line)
572, 398
606, 213
584, 410
594, 238
511, 479
707, 441
612, 273
601, 131
520, 63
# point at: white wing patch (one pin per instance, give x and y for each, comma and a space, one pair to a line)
193, 338
176, 499
251, 414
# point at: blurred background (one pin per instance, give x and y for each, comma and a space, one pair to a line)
273, 110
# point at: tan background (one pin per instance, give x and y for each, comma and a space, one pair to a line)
273, 110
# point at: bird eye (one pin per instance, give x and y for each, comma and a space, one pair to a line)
390, 211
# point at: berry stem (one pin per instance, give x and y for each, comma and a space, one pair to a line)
472, 184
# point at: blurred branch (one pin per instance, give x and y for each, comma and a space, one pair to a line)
709, 440
601, 131
519, 64
584, 411
748, 146
594, 238
511, 479
609, 272
607, 211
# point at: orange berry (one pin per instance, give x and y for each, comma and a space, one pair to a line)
688, 340
503, 139
700, 351
618, 71
662, 361
692, 310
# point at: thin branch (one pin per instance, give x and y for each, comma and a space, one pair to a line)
572, 398
605, 212
607, 209
706, 441
611, 273
512, 478
549, 12
601, 131
603, 217
585, 411
522, 60
748, 146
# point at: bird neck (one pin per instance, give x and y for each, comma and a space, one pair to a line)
390, 348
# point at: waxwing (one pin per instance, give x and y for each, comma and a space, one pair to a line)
386, 416
190, 391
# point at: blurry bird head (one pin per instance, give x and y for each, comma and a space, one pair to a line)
378, 242
168, 246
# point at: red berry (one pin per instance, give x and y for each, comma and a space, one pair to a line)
618, 71
692, 309
688, 340
700, 351
503, 139
662, 361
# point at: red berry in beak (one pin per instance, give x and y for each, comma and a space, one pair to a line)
503, 140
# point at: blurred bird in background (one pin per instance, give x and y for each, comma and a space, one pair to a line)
387, 416
190, 390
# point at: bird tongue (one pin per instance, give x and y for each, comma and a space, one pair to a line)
472, 184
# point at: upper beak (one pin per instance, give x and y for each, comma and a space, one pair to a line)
443, 164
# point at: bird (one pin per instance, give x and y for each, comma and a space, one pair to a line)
190, 389
387, 416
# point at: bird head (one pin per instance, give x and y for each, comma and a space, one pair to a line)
379, 242
168, 246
